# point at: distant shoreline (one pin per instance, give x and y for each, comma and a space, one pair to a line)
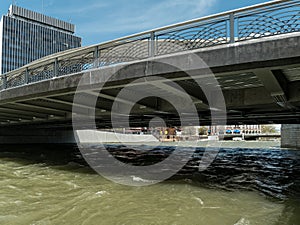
203, 144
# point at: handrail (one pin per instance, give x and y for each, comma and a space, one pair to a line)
222, 28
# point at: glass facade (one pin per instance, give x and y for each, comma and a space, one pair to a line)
26, 36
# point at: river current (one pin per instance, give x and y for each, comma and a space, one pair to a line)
243, 186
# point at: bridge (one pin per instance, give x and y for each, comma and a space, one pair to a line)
253, 54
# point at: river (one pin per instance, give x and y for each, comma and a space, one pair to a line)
244, 186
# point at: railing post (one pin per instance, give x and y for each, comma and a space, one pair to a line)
27, 76
56, 67
231, 26
152, 45
96, 57
4, 84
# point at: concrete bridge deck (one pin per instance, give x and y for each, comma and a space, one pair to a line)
260, 80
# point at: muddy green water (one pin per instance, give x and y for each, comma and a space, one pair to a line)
36, 189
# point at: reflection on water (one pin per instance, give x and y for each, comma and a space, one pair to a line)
53, 185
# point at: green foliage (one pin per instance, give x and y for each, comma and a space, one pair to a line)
202, 130
268, 129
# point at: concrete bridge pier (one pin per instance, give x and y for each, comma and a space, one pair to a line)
290, 136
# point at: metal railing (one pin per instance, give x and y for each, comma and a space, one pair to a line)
267, 19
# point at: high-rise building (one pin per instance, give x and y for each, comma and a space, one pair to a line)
26, 36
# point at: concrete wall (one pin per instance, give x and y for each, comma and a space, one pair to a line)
91, 136
43, 136
290, 136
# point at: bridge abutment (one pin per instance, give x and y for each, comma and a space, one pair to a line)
290, 136
36, 136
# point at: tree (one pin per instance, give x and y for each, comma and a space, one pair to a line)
202, 130
189, 130
268, 129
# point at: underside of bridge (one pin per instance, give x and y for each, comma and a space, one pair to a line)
259, 79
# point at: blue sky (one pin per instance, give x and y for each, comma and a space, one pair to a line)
97, 20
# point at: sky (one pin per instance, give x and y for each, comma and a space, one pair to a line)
98, 20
